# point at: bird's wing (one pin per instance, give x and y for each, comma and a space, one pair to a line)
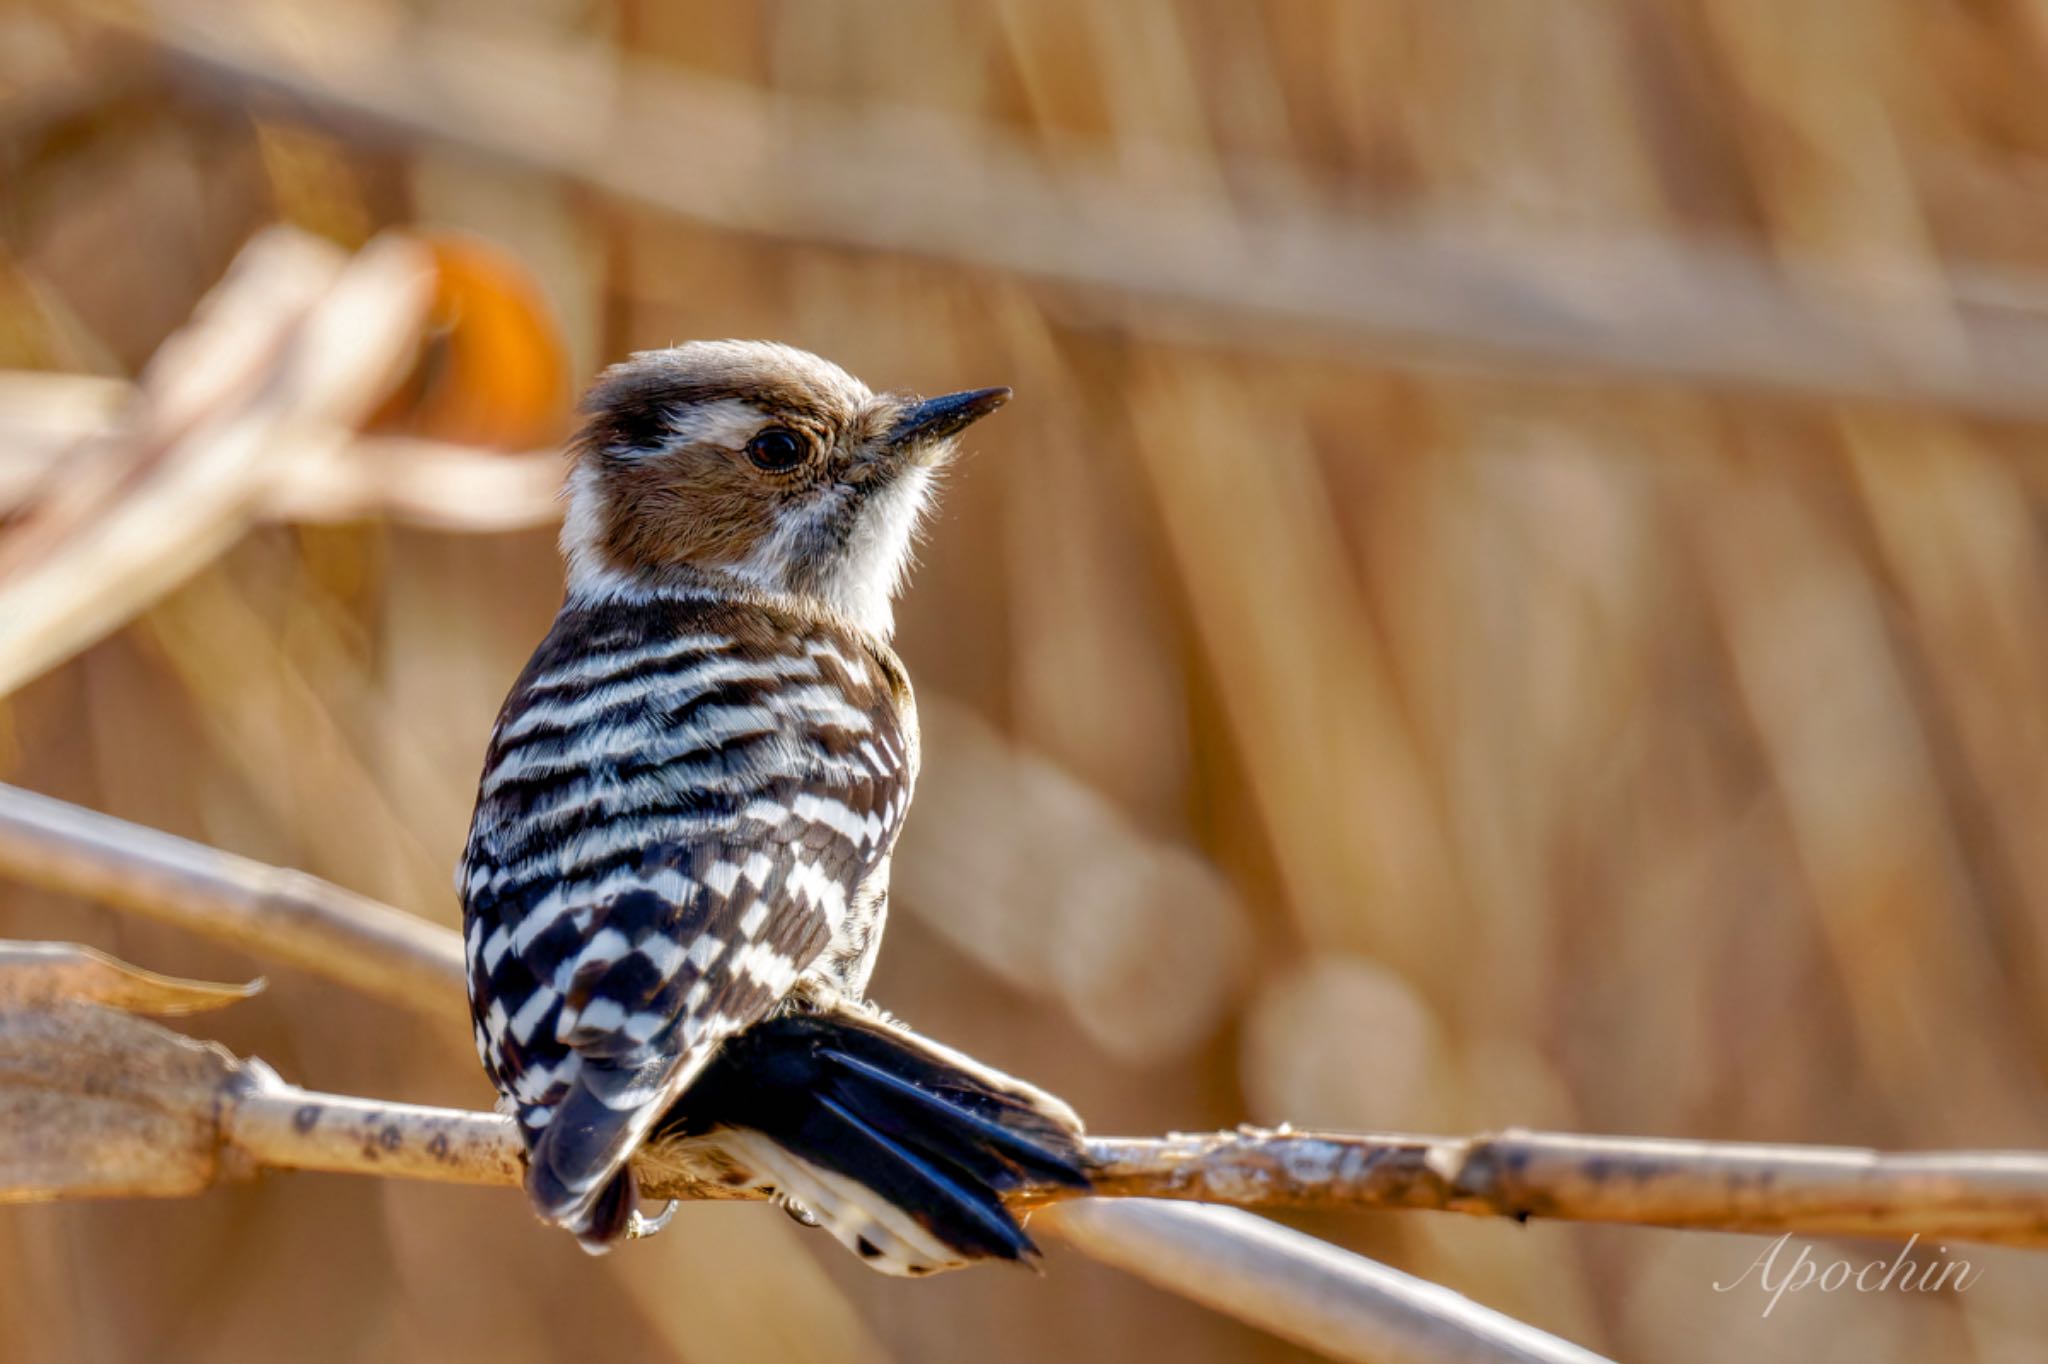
662, 846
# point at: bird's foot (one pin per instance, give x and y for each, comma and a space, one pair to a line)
639, 1228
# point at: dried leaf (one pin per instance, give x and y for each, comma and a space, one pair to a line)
492, 369
95, 1103
35, 974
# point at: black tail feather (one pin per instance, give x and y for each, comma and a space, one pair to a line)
929, 1132
966, 1215
1007, 1144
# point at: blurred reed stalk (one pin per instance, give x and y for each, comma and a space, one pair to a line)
1279, 267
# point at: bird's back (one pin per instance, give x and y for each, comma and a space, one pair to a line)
684, 806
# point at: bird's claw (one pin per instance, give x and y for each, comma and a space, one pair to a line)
639, 1228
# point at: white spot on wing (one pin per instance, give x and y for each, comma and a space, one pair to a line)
664, 952
721, 877
599, 1016
753, 919
705, 950
529, 1015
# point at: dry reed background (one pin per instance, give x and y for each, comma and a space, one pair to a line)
1562, 702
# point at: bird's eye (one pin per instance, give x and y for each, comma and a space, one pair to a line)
776, 449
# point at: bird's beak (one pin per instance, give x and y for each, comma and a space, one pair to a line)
931, 420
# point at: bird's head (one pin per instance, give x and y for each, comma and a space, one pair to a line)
757, 465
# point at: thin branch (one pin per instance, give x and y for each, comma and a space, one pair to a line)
1173, 255
317, 473
269, 912
1343, 1305
1993, 1196
1755, 1187
1295, 1286
298, 335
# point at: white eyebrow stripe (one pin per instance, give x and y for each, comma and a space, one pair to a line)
726, 422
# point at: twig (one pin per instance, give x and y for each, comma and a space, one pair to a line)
1157, 256
317, 474
1991, 1196
297, 335
270, 912
1996, 1196
1293, 1285
1341, 1304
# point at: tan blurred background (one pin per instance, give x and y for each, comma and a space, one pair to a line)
1513, 592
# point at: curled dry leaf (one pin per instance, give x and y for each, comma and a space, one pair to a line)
37, 974
95, 1103
492, 368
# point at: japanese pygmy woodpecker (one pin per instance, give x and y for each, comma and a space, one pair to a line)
678, 870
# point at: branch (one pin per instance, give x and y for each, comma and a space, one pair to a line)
270, 912
98, 1103
298, 339
1244, 1263
1752, 1187
313, 472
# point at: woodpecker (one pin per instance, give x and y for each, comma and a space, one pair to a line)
678, 869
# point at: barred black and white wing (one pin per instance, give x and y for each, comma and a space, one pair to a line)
687, 806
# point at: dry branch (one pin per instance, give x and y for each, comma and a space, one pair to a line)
1996, 1196
1158, 256
270, 912
1244, 1261
97, 1103
264, 1123
318, 474
298, 335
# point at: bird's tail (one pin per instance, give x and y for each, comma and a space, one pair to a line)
577, 1173
903, 1149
